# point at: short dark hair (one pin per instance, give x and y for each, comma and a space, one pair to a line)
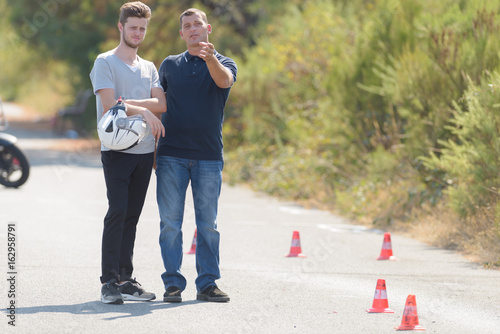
134, 9
191, 11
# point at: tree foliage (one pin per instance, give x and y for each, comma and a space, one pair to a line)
69, 31
76, 31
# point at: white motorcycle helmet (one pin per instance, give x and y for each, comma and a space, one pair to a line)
119, 132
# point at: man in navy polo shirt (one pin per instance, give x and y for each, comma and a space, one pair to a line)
197, 84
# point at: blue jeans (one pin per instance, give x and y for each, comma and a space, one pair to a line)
173, 177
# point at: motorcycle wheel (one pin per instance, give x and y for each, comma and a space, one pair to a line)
14, 167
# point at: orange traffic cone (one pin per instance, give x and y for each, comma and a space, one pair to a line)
295, 249
410, 317
380, 302
386, 252
193, 245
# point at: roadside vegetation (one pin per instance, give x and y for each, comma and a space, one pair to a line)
386, 112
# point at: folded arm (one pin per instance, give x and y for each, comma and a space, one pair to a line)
151, 109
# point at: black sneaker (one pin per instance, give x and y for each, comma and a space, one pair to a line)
172, 295
212, 294
110, 293
132, 290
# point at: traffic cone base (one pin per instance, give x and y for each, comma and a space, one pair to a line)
380, 302
410, 328
380, 310
296, 255
410, 317
295, 249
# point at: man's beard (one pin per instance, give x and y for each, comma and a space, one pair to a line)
130, 45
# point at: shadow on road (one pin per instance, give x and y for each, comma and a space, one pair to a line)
132, 309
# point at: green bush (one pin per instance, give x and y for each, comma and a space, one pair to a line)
471, 161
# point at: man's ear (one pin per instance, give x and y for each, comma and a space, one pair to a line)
120, 26
209, 28
180, 32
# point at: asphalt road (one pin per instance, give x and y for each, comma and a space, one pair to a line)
57, 216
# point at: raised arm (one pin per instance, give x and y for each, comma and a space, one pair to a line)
222, 75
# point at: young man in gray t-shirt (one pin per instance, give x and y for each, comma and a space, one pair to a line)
122, 73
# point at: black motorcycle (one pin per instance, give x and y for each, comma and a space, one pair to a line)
14, 166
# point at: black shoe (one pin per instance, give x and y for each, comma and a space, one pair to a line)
212, 294
110, 293
132, 290
172, 295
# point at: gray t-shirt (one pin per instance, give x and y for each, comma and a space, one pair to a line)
109, 71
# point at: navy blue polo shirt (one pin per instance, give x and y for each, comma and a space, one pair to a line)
195, 108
